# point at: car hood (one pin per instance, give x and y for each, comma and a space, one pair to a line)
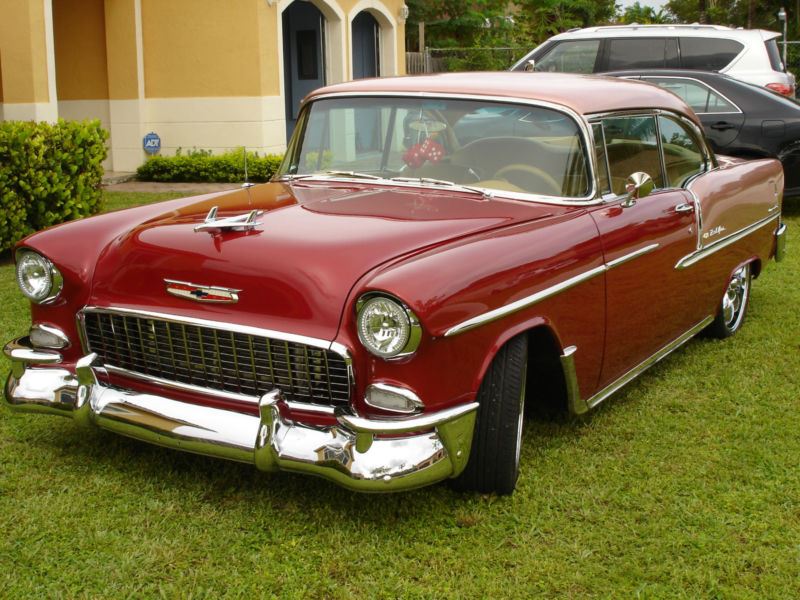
296, 269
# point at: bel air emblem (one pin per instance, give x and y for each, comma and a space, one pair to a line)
202, 293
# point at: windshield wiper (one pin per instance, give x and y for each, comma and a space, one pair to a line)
443, 182
355, 174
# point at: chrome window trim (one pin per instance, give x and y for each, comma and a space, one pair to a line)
706, 251
711, 159
336, 347
548, 292
581, 120
738, 110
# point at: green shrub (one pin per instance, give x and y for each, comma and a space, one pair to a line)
49, 173
202, 166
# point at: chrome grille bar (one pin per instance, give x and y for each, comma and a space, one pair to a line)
206, 355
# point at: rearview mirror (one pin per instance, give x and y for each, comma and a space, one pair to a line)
530, 66
639, 185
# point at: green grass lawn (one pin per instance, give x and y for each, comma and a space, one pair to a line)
686, 483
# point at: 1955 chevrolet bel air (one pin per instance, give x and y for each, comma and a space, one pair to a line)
435, 255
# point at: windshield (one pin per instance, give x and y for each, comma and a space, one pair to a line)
494, 146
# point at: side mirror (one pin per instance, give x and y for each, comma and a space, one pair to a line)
639, 185
530, 66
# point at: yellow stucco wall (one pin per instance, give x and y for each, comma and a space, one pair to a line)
201, 48
120, 19
80, 48
22, 46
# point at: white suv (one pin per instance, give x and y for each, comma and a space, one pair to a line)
750, 55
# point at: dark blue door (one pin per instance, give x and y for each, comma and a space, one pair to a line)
365, 46
304, 61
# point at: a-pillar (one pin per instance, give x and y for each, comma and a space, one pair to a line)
124, 52
27, 61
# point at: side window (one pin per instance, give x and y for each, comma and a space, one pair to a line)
603, 179
577, 56
631, 146
682, 154
699, 96
708, 54
637, 53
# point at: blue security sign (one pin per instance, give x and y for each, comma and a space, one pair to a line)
151, 143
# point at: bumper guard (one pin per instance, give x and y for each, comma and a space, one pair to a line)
354, 452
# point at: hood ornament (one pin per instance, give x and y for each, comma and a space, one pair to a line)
245, 222
202, 293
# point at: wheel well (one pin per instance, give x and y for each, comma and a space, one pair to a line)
755, 268
545, 388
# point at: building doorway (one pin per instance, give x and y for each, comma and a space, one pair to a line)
303, 56
366, 46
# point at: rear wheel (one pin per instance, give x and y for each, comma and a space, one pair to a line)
733, 307
493, 465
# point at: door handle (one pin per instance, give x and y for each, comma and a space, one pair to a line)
722, 126
684, 208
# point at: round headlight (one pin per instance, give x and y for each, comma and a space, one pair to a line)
37, 277
387, 328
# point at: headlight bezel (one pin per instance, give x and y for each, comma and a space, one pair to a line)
414, 326
56, 280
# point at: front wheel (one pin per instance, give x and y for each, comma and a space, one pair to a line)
493, 465
733, 307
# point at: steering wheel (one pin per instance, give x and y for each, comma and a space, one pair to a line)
531, 179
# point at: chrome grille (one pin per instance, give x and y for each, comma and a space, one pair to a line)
217, 359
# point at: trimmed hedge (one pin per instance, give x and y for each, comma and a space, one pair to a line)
203, 166
49, 173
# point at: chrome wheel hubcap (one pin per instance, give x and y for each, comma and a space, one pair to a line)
735, 298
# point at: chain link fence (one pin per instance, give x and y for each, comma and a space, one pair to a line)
441, 60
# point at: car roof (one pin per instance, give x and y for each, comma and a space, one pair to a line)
693, 30
584, 94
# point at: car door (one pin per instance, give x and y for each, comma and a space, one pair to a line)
647, 299
722, 119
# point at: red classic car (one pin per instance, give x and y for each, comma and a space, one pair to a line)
434, 255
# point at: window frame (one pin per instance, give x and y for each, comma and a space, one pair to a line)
709, 159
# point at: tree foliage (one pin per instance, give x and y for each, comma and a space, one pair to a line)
643, 14
492, 23
752, 14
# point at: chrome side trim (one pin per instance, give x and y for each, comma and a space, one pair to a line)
578, 406
499, 313
628, 257
706, 251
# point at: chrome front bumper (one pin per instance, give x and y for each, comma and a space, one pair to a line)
355, 452
780, 242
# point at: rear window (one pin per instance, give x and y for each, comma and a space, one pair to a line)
774, 55
640, 53
708, 54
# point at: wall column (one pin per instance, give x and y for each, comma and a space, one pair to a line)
28, 61
125, 56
